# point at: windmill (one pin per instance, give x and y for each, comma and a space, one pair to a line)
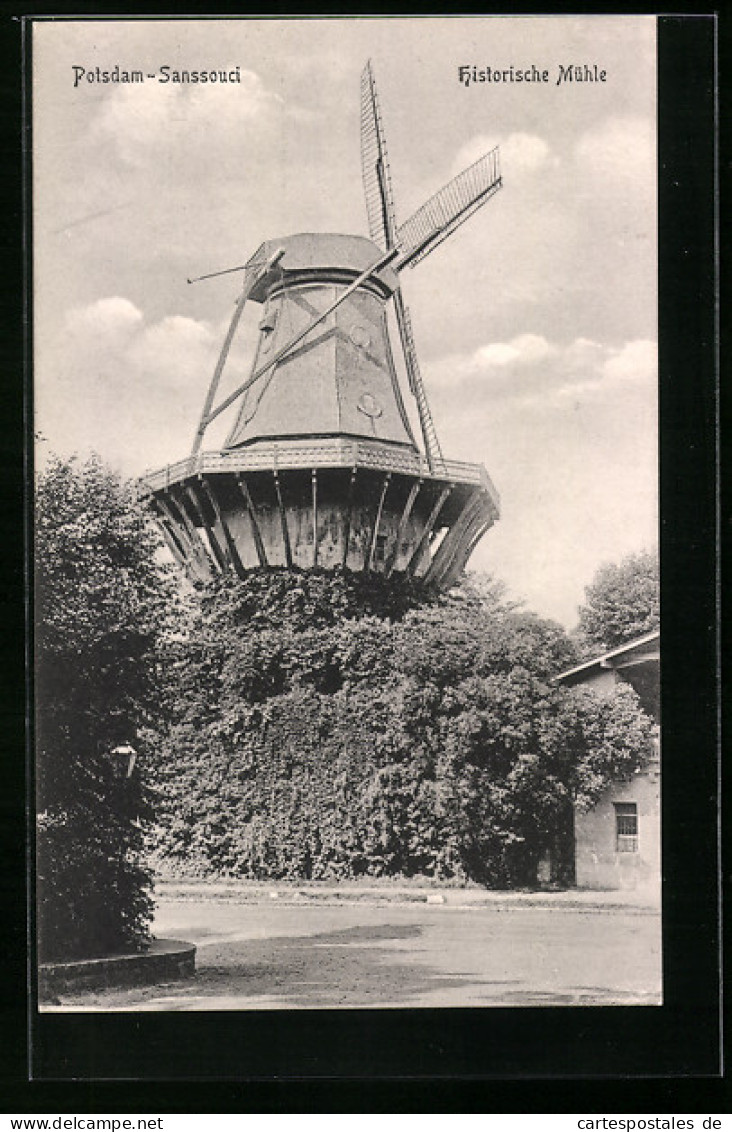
320, 467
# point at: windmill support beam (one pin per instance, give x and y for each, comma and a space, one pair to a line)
377, 521
256, 533
477, 531
198, 547
234, 556
215, 380
214, 384
349, 517
200, 510
451, 543
173, 522
169, 533
283, 520
314, 479
394, 555
172, 543
428, 528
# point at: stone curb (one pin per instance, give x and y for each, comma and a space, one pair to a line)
575, 899
164, 960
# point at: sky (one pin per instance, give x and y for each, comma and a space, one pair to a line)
535, 323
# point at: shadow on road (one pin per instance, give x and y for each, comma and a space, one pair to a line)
350, 967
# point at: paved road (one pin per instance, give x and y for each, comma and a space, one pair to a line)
288, 956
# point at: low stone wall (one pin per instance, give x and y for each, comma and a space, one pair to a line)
165, 959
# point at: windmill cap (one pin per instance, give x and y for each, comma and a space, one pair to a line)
320, 256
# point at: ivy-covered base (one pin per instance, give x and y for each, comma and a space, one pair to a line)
324, 726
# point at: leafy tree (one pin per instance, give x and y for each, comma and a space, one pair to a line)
364, 735
102, 601
622, 602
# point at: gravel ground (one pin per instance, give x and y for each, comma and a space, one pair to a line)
382, 949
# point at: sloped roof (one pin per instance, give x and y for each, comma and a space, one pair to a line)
637, 651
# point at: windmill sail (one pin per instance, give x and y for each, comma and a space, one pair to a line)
433, 450
383, 231
375, 166
448, 209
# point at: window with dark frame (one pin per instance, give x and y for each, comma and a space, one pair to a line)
626, 827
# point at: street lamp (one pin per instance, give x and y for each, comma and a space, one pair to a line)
123, 759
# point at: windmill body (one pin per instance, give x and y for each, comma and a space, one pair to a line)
321, 467
340, 380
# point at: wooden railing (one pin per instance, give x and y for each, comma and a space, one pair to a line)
283, 455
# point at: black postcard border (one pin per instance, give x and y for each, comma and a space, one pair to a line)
568, 1050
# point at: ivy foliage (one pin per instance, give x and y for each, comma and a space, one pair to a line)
101, 602
323, 725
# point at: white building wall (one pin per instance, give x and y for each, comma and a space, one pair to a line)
597, 861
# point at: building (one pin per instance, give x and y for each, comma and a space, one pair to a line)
618, 841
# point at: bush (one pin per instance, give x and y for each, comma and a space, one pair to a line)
101, 606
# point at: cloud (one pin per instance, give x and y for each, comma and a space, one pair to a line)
633, 364
114, 329
500, 360
520, 152
155, 120
132, 388
536, 373
620, 154
635, 361
525, 349
113, 317
527, 153
174, 348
